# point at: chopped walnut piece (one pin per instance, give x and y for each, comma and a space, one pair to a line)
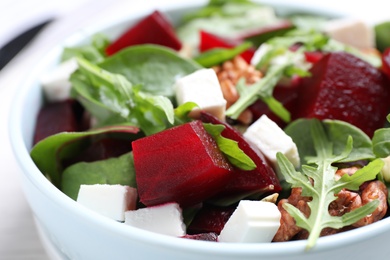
229, 73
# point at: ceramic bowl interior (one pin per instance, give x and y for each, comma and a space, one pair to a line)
78, 233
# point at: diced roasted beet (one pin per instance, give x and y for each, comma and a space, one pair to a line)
261, 180
102, 149
181, 164
154, 29
212, 237
286, 95
344, 87
262, 34
210, 219
313, 56
210, 41
56, 117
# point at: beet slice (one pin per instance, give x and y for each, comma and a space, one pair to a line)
344, 87
210, 218
56, 117
182, 164
261, 180
153, 29
210, 41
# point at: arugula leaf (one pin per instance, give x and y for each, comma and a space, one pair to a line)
218, 55
94, 52
118, 170
261, 89
321, 173
112, 99
51, 151
230, 148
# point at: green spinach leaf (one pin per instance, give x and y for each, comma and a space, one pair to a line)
51, 151
337, 132
154, 67
118, 170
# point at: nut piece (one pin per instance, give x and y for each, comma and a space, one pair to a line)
229, 73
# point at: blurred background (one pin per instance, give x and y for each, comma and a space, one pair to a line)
55, 20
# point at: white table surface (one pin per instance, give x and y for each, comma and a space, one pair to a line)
18, 234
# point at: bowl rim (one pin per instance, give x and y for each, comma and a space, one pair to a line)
35, 177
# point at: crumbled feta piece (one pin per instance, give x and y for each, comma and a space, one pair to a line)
164, 219
351, 31
56, 85
385, 172
109, 200
203, 88
270, 139
252, 222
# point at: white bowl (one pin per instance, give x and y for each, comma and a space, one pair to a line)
78, 233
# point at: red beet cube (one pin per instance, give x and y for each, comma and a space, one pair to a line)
154, 29
181, 164
261, 180
56, 117
210, 219
344, 87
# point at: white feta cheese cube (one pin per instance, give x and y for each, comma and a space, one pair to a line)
351, 31
203, 88
109, 200
385, 172
270, 139
56, 85
165, 219
252, 222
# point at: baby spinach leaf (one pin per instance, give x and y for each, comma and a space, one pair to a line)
230, 148
337, 132
118, 170
318, 181
154, 67
51, 151
381, 141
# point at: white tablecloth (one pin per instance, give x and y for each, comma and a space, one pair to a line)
18, 235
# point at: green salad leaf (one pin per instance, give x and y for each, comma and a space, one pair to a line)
119, 170
112, 99
381, 141
49, 153
230, 148
225, 18
93, 52
155, 68
262, 89
217, 56
321, 172
337, 132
